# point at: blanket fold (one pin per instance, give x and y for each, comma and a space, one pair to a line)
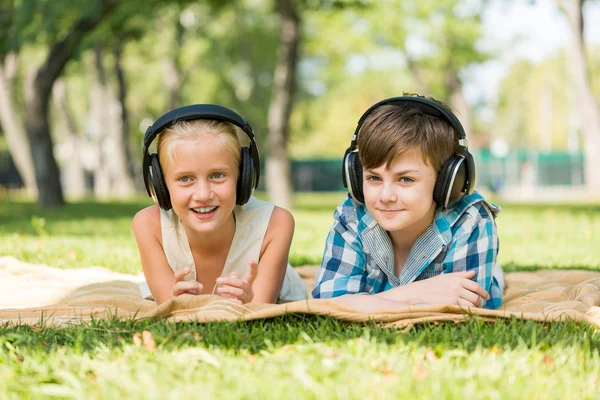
32, 294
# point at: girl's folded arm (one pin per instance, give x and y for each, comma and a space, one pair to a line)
159, 276
273, 261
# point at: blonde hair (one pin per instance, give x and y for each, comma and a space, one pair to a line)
186, 130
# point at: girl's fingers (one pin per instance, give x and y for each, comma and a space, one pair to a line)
231, 290
232, 280
232, 298
184, 286
252, 272
179, 275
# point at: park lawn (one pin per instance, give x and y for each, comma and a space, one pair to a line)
296, 356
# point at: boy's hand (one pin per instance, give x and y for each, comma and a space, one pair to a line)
237, 289
180, 286
453, 288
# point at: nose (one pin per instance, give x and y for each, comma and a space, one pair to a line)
202, 191
388, 193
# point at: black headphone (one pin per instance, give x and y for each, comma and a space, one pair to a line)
249, 163
457, 174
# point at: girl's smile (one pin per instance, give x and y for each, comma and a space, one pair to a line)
201, 177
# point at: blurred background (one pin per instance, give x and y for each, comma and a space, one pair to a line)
81, 80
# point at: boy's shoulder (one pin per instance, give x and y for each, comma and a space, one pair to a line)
353, 214
469, 211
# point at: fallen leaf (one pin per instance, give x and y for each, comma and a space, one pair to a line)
548, 361
431, 357
148, 340
420, 371
137, 340
495, 350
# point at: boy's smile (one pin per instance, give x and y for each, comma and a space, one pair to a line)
400, 196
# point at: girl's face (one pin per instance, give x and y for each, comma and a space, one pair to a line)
201, 178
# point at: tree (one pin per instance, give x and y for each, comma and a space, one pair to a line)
279, 183
446, 33
11, 121
590, 115
38, 91
12, 124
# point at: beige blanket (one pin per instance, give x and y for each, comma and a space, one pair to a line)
33, 293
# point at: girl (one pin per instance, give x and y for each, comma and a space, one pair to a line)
207, 234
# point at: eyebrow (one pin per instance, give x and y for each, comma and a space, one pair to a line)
402, 172
216, 168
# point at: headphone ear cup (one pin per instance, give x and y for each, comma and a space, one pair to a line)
450, 182
355, 176
470, 174
245, 182
157, 184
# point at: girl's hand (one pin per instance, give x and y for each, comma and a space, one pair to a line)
181, 287
236, 289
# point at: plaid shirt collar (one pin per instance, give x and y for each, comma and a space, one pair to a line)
377, 242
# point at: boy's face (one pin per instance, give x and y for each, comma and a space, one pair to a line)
201, 179
400, 197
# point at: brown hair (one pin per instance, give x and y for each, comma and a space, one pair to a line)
392, 130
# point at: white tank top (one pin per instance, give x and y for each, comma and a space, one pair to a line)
251, 223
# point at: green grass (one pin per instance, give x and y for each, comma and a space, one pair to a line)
301, 357
296, 356
91, 233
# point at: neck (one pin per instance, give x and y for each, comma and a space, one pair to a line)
404, 239
214, 240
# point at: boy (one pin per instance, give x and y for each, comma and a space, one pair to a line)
412, 230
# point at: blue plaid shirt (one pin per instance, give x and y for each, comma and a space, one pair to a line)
359, 257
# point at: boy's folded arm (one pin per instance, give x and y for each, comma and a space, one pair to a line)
476, 249
343, 268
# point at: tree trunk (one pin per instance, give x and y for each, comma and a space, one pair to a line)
122, 98
590, 115
173, 73
37, 95
113, 158
279, 182
72, 171
13, 127
459, 103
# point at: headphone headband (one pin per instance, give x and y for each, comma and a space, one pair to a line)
197, 111
200, 111
426, 106
456, 175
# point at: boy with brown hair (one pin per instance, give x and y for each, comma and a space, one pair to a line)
412, 230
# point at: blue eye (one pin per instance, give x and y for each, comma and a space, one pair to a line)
405, 179
218, 175
184, 179
373, 178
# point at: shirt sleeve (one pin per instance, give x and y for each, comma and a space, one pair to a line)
342, 270
476, 248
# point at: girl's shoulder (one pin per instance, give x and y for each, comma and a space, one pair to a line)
281, 218
147, 221
278, 217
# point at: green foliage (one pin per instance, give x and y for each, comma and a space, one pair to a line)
536, 105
